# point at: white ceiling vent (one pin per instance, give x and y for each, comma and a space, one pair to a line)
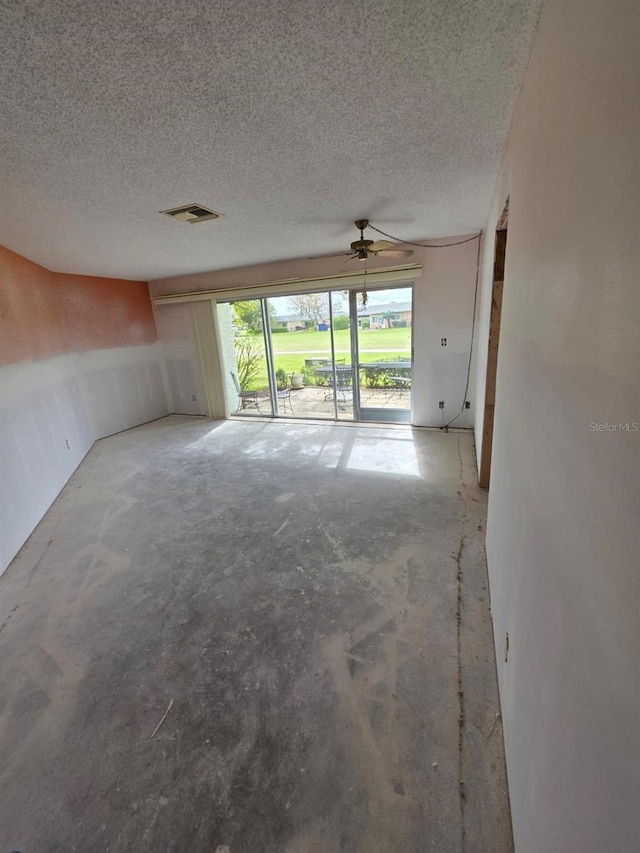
192, 213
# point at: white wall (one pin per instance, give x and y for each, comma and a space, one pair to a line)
41, 409
563, 538
443, 308
122, 387
51, 412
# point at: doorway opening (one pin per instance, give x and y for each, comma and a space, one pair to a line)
494, 343
322, 355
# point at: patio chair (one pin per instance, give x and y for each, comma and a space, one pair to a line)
343, 379
246, 399
284, 397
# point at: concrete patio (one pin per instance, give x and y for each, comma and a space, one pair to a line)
317, 402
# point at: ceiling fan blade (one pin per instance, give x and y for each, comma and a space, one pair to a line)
320, 257
380, 244
395, 253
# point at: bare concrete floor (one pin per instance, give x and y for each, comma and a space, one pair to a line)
256, 638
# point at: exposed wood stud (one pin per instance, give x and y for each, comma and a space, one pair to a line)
492, 355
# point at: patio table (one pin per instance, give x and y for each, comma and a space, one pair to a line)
327, 369
385, 365
371, 365
390, 369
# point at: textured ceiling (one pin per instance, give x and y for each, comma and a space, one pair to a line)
291, 117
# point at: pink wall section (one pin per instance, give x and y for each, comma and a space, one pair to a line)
44, 313
100, 312
30, 316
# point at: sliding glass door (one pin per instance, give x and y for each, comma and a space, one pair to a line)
322, 355
382, 345
302, 346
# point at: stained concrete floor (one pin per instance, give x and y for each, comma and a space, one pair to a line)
254, 638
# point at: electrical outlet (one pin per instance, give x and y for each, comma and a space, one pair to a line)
194, 397
467, 404
441, 404
443, 342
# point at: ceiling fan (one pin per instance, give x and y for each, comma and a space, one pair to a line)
362, 249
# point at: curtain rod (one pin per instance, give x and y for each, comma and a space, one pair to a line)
288, 283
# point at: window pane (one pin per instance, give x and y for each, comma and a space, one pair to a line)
244, 353
384, 345
301, 345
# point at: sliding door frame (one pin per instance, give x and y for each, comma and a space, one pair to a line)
355, 353
268, 352
333, 355
241, 294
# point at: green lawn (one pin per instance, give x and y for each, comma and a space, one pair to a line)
290, 349
377, 340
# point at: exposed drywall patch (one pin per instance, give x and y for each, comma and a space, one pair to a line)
122, 387
44, 435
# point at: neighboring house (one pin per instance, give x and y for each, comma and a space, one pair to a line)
290, 322
386, 316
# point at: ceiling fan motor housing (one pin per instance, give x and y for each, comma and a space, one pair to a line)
362, 248
361, 245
